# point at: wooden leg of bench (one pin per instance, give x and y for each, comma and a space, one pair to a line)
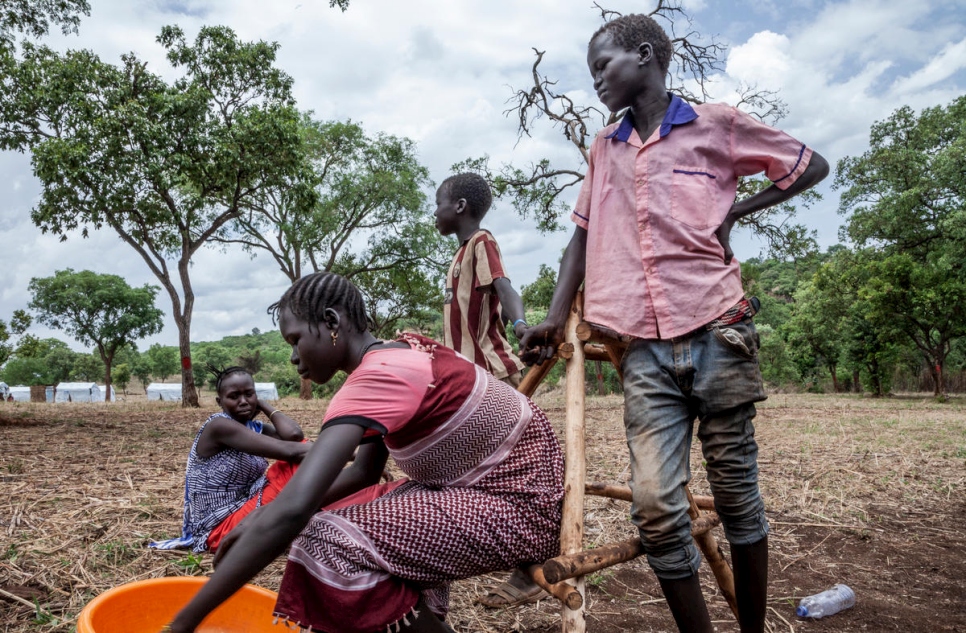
572, 520
535, 376
715, 558
585, 562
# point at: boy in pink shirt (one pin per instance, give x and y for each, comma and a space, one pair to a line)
652, 247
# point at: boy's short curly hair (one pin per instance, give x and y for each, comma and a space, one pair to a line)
471, 187
630, 31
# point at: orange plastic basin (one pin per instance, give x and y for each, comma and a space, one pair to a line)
147, 605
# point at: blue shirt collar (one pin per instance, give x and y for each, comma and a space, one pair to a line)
678, 112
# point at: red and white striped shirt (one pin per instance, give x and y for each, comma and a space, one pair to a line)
472, 324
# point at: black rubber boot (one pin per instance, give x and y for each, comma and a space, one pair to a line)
750, 565
687, 604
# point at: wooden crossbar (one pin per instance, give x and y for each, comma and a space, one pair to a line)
562, 576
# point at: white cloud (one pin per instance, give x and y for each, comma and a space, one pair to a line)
947, 63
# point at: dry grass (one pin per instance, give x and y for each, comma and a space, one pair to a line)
87, 485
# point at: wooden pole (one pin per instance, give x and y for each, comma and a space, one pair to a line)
565, 593
623, 493
716, 560
565, 566
572, 525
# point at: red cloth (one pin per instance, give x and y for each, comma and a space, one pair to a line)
277, 475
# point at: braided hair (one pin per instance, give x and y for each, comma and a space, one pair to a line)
630, 31
309, 297
471, 187
221, 374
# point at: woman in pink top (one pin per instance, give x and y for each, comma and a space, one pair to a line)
484, 490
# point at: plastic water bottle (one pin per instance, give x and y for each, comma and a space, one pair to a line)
838, 598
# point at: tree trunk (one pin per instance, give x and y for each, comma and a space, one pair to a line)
835, 378
189, 393
600, 377
856, 381
108, 361
939, 386
305, 388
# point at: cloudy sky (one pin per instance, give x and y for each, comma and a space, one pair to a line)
440, 72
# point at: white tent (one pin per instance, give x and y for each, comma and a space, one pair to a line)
100, 396
164, 391
20, 393
78, 392
266, 391
4, 391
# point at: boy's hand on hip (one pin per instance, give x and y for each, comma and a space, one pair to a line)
724, 238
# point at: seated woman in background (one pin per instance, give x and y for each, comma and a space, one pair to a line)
228, 474
484, 494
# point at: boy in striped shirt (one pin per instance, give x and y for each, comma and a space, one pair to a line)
479, 297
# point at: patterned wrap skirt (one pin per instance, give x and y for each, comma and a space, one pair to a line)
363, 567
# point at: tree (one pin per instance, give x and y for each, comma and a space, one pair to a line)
906, 197
121, 376
88, 368
19, 323
540, 292
212, 357
536, 191
252, 361
97, 310
163, 360
368, 222
141, 369
816, 326
47, 362
34, 18
163, 166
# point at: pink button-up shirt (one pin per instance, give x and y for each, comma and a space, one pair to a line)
654, 266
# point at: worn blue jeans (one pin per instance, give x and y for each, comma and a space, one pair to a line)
712, 376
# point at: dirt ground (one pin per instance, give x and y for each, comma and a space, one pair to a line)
858, 491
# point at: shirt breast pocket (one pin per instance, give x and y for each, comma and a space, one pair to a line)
694, 197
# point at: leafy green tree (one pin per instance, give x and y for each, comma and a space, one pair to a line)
25, 371
211, 357
34, 18
367, 222
121, 376
58, 361
19, 323
906, 197
164, 166
141, 369
97, 310
88, 368
539, 293
163, 360
48, 363
251, 360
816, 326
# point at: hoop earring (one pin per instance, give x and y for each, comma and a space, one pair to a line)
334, 336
